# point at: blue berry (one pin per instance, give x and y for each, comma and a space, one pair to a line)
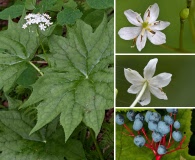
169, 110
131, 115
147, 115
172, 110
163, 128
161, 150
177, 136
155, 117
168, 119
137, 125
140, 117
139, 141
153, 126
176, 125
156, 136
119, 119
175, 111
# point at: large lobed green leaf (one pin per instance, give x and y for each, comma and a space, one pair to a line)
127, 150
16, 144
79, 84
17, 46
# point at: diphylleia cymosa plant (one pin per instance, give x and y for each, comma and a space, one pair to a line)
165, 132
148, 27
68, 102
143, 86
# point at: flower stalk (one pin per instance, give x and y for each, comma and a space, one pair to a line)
140, 94
41, 73
181, 34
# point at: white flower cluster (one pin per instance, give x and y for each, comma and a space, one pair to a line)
42, 20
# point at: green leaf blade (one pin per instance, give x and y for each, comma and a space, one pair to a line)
18, 145
79, 85
68, 16
17, 46
12, 12
100, 4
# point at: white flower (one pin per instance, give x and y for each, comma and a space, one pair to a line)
24, 26
42, 20
154, 84
149, 27
42, 26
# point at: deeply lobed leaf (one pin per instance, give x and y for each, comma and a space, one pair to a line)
79, 84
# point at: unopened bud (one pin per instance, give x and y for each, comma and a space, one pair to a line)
184, 13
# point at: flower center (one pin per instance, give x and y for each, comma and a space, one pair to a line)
145, 24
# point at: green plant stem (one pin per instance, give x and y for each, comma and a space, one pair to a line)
96, 144
41, 73
191, 19
174, 49
41, 43
181, 34
83, 135
189, 3
140, 94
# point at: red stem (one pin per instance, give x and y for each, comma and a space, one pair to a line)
164, 140
169, 144
179, 146
174, 117
127, 128
158, 157
144, 132
127, 134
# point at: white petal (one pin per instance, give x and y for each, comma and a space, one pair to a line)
133, 76
158, 92
159, 25
156, 37
151, 13
146, 98
150, 68
133, 17
128, 33
134, 89
141, 41
161, 80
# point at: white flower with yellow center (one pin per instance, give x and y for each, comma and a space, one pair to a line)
149, 27
143, 86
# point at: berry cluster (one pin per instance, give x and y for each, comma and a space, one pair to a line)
161, 128
42, 20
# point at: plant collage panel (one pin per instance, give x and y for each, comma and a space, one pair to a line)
154, 80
